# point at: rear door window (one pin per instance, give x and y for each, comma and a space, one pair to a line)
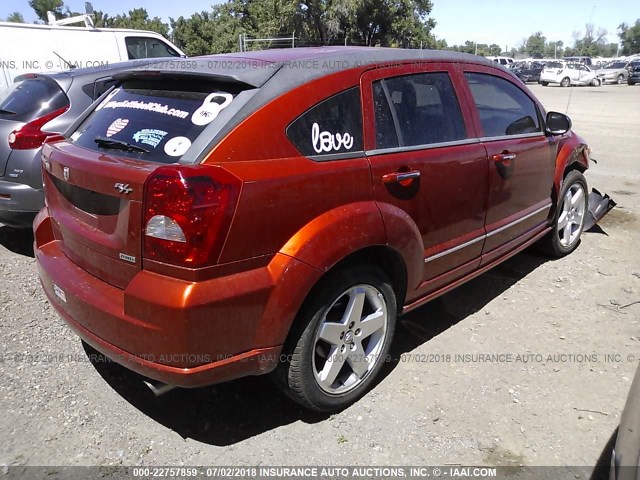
161, 119
423, 106
31, 98
332, 127
503, 108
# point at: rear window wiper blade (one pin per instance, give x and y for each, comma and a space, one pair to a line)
105, 142
7, 112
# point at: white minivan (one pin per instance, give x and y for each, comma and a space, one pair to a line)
26, 48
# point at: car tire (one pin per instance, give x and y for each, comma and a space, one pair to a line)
565, 233
332, 358
620, 79
544, 84
631, 83
596, 82
565, 82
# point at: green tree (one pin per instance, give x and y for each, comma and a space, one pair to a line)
136, 19
402, 23
206, 33
553, 49
592, 43
535, 45
630, 38
41, 7
441, 44
15, 17
495, 49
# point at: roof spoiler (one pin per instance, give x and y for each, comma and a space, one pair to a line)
185, 76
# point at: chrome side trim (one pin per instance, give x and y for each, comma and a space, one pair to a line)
382, 151
483, 237
515, 222
336, 156
454, 249
511, 137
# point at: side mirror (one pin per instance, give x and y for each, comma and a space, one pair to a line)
558, 123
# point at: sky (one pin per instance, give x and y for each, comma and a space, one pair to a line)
504, 22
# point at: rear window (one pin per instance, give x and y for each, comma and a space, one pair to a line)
162, 121
554, 65
28, 99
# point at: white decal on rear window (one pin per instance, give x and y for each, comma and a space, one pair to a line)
210, 109
177, 146
149, 106
117, 126
75, 136
326, 141
149, 136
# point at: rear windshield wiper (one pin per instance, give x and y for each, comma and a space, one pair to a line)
7, 112
105, 142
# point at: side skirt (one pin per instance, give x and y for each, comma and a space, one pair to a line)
407, 308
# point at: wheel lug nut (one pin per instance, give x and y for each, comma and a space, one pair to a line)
357, 332
341, 335
351, 325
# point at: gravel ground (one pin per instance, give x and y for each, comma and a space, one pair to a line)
572, 321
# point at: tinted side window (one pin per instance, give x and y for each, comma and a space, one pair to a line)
426, 109
330, 127
147, 47
101, 86
503, 108
386, 135
26, 100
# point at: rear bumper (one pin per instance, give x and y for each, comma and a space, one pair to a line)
549, 79
19, 204
208, 336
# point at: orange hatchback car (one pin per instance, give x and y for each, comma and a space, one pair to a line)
235, 215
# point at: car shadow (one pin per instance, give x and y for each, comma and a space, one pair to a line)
603, 464
421, 325
228, 413
18, 241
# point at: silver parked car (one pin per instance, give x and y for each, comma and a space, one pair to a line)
33, 107
614, 72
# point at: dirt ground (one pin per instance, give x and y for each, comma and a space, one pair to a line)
571, 321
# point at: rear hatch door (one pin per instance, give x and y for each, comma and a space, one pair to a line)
94, 183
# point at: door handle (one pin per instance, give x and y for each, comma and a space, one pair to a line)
503, 157
400, 177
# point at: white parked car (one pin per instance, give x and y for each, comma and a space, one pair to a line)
567, 74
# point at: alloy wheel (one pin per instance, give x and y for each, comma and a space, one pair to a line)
349, 339
571, 217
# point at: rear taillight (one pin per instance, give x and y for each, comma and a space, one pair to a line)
187, 212
30, 135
